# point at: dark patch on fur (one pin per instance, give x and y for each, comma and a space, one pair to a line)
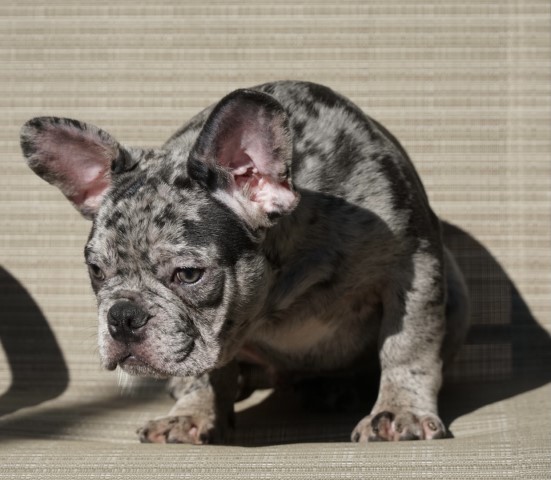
347, 153
169, 213
182, 182
201, 173
222, 228
127, 188
111, 221
123, 163
325, 95
27, 146
401, 193
159, 221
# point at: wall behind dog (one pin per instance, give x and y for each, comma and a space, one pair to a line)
463, 85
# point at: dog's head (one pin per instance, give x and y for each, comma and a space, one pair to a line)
173, 254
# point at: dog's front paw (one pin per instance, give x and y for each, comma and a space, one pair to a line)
402, 425
179, 429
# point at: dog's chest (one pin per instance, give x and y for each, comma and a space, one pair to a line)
298, 336
306, 339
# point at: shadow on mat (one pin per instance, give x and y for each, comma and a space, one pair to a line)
65, 422
506, 353
38, 369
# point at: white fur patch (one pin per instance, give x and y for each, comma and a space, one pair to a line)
298, 337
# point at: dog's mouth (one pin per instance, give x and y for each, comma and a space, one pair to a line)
135, 365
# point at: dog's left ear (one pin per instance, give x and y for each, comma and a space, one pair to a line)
243, 156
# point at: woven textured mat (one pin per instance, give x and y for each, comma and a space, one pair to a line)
466, 88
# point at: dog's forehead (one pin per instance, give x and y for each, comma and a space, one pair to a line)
141, 213
142, 199
146, 219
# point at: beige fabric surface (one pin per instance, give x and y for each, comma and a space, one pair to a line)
464, 85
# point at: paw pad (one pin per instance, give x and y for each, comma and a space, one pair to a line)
181, 429
403, 425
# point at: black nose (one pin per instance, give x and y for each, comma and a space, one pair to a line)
125, 319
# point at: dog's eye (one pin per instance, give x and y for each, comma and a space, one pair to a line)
95, 272
188, 275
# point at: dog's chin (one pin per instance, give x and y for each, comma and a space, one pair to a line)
136, 366
143, 362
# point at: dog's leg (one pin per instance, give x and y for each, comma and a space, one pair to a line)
203, 412
410, 343
457, 310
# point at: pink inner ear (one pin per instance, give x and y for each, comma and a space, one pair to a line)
248, 156
273, 196
271, 193
90, 198
256, 146
231, 152
244, 172
78, 163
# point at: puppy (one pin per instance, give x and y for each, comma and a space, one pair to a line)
282, 223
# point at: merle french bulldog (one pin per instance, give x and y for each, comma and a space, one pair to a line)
282, 224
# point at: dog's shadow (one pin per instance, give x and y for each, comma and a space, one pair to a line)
506, 353
37, 366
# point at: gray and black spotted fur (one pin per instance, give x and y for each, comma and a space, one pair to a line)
282, 226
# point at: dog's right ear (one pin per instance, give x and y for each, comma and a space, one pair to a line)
76, 157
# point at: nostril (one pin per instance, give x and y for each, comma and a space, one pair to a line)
138, 320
